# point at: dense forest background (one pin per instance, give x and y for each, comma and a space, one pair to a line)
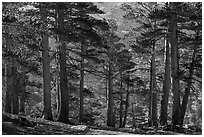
111, 64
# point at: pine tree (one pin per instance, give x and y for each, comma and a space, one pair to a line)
148, 33
178, 22
174, 67
64, 91
8, 24
9, 79
47, 112
166, 87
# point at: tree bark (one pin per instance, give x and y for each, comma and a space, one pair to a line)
121, 101
154, 92
47, 112
64, 92
81, 88
150, 100
9, 78
133, 116
58, 84
175, 70
15, 95
166, 87
22, 94
106, 86
126, 106
153, 121
110, 113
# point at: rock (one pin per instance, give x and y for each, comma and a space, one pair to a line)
9, 128
80, 128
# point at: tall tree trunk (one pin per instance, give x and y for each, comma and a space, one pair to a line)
9, 78
58, 95
58, 84
121, 100
15, 96
23, 90
166, 87
47, 112
187, 89
153, 120
110, 113
153, 88
175, 70
81, 88
150, 99
64, 92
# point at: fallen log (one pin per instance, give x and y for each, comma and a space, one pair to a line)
19, 120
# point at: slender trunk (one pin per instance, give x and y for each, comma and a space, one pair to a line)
175, 70
58, 85
106, 82
64, 92
166, 88
47, 112
22, 94
154, 92
58, 95
150, 99
81, 88
110, 113
154, 110
121, 100
187, 90
22, 102
153, 120
133, 117
126, 106
9, 78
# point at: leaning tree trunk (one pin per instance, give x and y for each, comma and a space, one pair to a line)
187, 90
166, 88
47, 112
81, 88
175, 71
64, 92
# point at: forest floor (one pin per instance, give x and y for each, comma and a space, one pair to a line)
21, 125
